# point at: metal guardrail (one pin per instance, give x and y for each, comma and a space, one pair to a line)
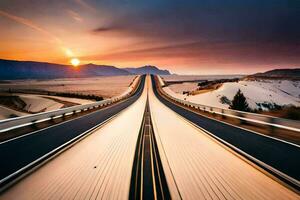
18, 122
275, 122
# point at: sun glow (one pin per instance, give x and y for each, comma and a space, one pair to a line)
75, 62
69, 53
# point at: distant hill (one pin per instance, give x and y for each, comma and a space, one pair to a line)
10, 70
148, 69
102, 70
279, 74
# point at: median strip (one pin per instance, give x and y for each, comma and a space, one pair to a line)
148, 180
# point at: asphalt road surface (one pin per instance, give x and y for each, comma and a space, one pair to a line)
280, 155
18, 153
152, 153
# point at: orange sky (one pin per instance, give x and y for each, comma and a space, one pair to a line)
124, 36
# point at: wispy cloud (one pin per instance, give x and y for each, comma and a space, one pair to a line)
29, 24
85, 5
74, 15
207, 53
102, 29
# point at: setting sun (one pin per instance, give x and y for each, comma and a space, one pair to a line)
75, 62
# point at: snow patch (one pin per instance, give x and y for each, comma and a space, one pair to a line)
257, 93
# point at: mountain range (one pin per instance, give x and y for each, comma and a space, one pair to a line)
148, 69
11, 69
279, 74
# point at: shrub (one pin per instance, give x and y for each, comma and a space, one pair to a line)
293, 113
225, 100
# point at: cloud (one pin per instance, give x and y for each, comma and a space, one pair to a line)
74, 15
85, 5
235, 21
255, 32
221, 53
103, 29
29, 24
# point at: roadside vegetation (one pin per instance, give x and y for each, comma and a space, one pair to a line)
206, 83
290, 112
208, 86
77, 95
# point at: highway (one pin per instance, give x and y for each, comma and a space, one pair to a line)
280, 155
97, 167
200, 167
22, 151
148, 151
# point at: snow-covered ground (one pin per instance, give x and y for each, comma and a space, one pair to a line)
280, 92
8, 113
36, 103
105, 86
201, 167
40, 103
43, 103
98, 167
198, 77
102, 86
179, 88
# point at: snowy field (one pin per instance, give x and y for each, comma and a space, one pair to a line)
40, 103
102, 86
105, 86
8, 113
179, 88
198, 77
280, 92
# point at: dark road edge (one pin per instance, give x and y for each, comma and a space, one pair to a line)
143, 181
243, 147
17, 175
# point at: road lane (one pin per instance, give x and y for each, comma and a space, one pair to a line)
98, 167
279, 155
201, 167
18, 153
195, 165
